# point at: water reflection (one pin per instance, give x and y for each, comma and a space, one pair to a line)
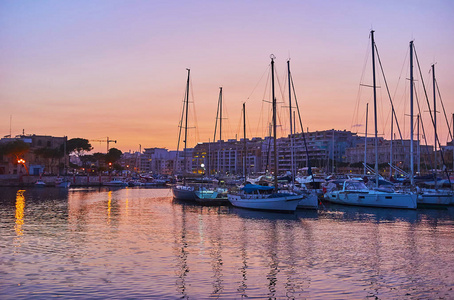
244, 258
263, 215
109, 205
181, 252
20, 204
137, 243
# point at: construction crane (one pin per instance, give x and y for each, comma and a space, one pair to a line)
105, 141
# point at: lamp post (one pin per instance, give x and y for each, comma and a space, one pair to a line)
22, 162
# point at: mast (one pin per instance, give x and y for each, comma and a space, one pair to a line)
332, 162
435, 126
218, 117
375, 108
64, 155
412, 167
220, 128
244, 138
391, 149
186, 127
274, 123
365, 141
418, 146
292, 167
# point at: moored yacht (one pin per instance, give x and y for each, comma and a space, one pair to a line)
354, 192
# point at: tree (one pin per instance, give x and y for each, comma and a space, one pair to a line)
14, 149
78, 146
113, 155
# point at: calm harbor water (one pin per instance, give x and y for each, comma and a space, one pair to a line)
140, 243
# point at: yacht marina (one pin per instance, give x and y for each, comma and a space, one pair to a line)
280, 205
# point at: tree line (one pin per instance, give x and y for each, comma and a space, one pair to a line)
15, 150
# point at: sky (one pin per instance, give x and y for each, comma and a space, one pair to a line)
117, 69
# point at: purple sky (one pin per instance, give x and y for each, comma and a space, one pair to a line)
94, 69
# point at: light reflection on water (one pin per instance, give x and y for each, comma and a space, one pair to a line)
139, 243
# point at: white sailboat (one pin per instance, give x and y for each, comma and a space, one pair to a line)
261, 197
184, 192
309, 197
355, 193
435, 196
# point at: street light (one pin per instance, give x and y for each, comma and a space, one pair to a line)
22, 162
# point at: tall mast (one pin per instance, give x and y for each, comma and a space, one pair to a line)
220, 128
375, 107
435, 125
274, 123
244, 140
418, 146
412, 167
292, 168
391, 148
186, 127
365, 141
220, 113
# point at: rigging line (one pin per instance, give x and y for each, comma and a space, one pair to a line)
449, 125
433, 123
425, 91
260, 125
389, 95
238, 128
279, 115
263, 74
308, 162
356, 109
444, 111
196, 135
248, 126
216, 124
422, 126
381, 106
401, 71
180, 125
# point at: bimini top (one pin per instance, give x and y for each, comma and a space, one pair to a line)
250, 188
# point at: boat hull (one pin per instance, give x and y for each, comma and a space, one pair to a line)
435, 199
64, 184
183, 194
277, 203
310, 201
373, 199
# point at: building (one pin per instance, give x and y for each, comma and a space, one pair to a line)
422, 155
45, 154
228, 157
325, 150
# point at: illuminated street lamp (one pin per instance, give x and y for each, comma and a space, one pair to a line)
22, 162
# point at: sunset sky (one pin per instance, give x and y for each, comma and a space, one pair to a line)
93, 69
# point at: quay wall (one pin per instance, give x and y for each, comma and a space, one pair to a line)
76, 180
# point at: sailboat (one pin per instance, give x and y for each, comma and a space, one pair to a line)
354, 192
266, 197
309, 198
432, 197
184, 192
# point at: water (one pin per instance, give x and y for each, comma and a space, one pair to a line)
139, 243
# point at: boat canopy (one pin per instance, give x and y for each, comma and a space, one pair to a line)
250, 188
